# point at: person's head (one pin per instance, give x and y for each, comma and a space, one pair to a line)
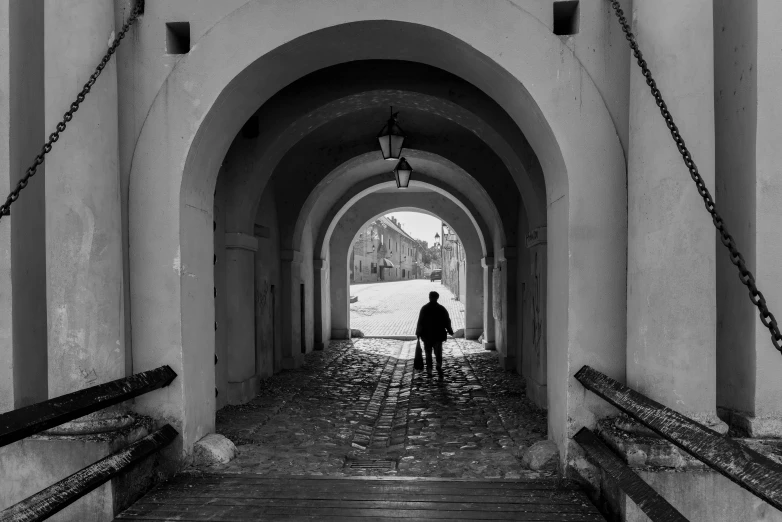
433, 296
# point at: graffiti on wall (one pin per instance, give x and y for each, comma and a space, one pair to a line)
537, 323
262, 295
496, 294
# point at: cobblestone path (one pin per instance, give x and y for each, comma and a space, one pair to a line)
392, 308
361, 401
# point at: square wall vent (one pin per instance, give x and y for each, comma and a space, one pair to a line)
566, 17
178, 37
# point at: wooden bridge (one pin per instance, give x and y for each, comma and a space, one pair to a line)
235, 498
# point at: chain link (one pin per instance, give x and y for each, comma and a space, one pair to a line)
5, 208
746, 277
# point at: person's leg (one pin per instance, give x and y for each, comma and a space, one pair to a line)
428, 350
438, 353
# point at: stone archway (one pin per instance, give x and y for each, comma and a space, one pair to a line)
345, 231
235, 67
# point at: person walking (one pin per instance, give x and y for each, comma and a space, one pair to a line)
433, 325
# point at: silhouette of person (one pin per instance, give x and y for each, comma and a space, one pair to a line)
433, 323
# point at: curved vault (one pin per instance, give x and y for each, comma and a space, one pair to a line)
367, 174
328, 159
369, 87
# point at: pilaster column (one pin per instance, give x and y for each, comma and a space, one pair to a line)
240, 316
473, 312
507, 343
290, 275
488, 316
671, 294
535, 365
339, 306
748, 65
766, 420
86, 344
23, 324
322, 310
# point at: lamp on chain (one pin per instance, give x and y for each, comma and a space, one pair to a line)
402, 173
391, 138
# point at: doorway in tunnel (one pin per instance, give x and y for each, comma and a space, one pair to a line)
396, 260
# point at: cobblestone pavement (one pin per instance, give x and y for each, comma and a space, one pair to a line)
392, 308
361, 401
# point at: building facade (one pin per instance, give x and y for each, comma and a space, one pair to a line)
454, 275
383, 251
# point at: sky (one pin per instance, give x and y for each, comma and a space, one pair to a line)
420, 226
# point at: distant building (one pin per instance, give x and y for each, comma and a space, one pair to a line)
385, 252
454, 267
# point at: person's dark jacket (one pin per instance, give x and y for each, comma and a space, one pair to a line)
433, 323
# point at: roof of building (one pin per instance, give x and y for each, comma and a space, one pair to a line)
396, 227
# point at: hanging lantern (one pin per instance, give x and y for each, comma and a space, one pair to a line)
391, 138
402, 173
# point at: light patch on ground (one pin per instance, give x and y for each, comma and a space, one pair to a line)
392, 308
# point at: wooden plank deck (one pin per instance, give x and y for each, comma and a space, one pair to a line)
236, 498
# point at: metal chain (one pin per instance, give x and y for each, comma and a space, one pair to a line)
766, 317
5, 208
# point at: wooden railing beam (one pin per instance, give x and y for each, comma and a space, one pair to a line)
747, 468
46, 503
23, 422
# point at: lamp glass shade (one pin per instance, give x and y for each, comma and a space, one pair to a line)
391, 145
402, 173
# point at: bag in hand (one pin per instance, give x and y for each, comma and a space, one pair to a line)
418, 362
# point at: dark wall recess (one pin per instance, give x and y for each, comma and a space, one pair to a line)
566, 13
178, 37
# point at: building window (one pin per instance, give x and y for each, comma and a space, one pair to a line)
403, 273
373, 267
361, 267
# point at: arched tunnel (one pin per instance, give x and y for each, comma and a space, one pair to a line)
316, 138
279, 167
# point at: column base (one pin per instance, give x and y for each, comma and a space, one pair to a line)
537, 393
319, 347
243, 392
35, 463
489, 345
104, 421
755, 427
291, 363
507, 362
473, 333
340, 333
698, 495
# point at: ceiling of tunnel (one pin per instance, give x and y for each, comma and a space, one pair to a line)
325, 149
333, 115
330, 200
370, 189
